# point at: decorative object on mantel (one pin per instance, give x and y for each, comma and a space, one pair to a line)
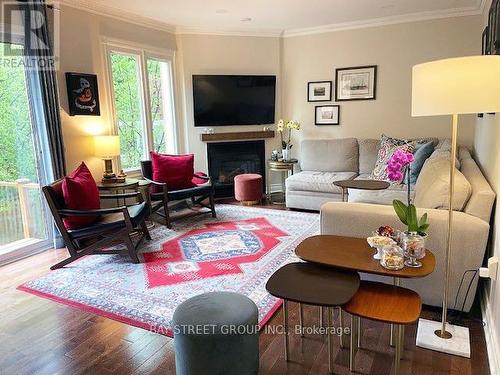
413, 240
327, 115
83, 94
208, 130
319, 91
356, 83
435, 93
237, 136
286, 144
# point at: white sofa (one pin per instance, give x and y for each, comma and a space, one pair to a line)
324, 161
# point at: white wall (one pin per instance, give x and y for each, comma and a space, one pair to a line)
487, 153
211, 54
81, 51
395, 49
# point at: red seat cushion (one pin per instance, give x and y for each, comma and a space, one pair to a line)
80, 193
175, 170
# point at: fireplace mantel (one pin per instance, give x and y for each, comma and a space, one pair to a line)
237, 136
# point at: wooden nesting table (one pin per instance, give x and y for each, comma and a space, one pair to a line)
361, 185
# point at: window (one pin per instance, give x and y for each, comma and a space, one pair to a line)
142, 89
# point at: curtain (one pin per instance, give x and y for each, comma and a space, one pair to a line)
44, 99
43, 85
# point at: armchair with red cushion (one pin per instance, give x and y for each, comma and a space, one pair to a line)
86, 228
173, 179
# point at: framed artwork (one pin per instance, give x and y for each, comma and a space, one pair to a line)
327, 115
83, 94
320, 91
356, 83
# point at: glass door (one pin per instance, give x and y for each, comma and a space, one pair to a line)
23, 217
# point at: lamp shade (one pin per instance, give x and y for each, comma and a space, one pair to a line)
456, 86
107, 145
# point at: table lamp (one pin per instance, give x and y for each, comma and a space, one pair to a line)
107, 146
452, 87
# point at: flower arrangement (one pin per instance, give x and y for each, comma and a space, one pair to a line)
283, 126
407, 213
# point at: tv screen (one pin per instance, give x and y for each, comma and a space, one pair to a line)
233, 100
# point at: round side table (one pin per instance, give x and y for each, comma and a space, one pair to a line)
285, 168
361, 185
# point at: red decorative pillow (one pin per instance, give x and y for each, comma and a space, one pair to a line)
80, 193
175, 170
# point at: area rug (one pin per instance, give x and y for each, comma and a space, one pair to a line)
238, 251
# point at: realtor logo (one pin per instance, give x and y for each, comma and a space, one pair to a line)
30, 35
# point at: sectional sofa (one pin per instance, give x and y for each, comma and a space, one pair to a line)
324, 161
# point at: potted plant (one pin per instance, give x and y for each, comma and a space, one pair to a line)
286, 144
413, 239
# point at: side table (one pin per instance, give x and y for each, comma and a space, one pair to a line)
361, 185
285, 168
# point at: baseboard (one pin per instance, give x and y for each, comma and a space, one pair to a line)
492, 343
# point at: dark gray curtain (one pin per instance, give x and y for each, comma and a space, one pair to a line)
43, 96
43, 84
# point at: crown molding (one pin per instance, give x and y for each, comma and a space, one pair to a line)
118, 14
272, 33
413, 17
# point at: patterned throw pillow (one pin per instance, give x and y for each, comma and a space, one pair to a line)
388, 146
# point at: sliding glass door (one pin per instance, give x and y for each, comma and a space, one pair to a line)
23, 217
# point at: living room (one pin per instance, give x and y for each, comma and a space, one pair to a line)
323, 112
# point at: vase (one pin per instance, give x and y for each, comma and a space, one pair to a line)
413, 245
286, 154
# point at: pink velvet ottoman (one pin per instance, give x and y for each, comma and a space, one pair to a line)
248, 188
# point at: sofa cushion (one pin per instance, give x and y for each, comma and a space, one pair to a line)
483, 196
388, 146
422, 152
432, 188
368, 151
329, 155
317, 181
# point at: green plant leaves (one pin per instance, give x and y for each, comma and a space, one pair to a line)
408, 216
401, 210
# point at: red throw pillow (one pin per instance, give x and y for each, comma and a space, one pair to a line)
80, 193
175, 170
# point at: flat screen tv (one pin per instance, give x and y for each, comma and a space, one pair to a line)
221, 100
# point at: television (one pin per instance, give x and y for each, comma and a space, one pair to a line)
222, 100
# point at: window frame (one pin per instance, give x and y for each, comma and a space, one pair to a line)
143, 54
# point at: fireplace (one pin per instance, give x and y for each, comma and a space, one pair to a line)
229, 159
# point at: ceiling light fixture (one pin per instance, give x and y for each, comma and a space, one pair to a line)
246, 19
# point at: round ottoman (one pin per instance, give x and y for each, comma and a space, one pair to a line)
216, 333
248, 188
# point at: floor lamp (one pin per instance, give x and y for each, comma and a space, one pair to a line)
452, 87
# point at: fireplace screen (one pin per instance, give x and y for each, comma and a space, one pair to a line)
229, 159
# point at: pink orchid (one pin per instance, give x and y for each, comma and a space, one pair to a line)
398, 161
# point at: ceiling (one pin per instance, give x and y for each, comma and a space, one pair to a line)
277, 16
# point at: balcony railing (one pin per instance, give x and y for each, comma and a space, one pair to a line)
21, 211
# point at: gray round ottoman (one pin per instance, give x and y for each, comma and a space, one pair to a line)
216, 333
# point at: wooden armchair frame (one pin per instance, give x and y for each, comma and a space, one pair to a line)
103, 233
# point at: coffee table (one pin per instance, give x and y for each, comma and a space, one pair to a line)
361, 185
355, 254
312, 284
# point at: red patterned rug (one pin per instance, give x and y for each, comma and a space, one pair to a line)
237, 252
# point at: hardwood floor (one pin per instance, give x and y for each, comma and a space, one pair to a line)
38, 336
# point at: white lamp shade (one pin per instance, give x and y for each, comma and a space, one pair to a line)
107, 145
456, 86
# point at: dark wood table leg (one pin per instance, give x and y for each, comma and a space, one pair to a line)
285, 327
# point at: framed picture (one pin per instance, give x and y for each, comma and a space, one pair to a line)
356, 83
327, 115
320, 91
83, 94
